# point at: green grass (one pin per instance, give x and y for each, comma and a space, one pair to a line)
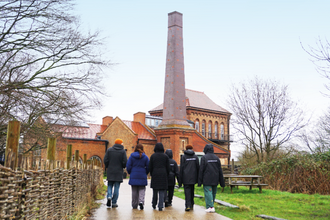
270, 202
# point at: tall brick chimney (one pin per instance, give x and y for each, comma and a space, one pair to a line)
107, 120
174, 131
174, 107
140, 117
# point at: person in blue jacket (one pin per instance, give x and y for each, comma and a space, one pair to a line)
138, 168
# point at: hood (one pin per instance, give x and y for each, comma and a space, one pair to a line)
208, 149
137, 155
159, 148
169, 153
118, 147
189, 152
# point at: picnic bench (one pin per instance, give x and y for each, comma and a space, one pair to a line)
236, 180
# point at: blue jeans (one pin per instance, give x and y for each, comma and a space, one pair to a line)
115, 195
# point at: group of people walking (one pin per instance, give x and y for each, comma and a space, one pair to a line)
164, 173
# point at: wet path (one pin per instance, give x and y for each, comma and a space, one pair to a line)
125, 211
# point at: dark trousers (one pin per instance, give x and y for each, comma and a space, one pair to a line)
189, 195
169, 196
161, 200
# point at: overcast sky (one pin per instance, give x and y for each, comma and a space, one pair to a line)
225, 42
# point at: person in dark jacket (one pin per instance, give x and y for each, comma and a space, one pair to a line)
115, 160
137, 167
174, 173
159, 167
189, 167
210, 175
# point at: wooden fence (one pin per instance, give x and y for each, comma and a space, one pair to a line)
48, 190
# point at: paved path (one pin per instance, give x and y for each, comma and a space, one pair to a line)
125, 211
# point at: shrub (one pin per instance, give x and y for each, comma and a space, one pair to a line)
300, 173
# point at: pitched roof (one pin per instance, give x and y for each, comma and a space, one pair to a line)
84, 132
198, 100
142, 131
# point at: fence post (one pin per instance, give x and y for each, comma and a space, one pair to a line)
232, 165
85, 161
51, 148
76, 157
13, 132
89, 163
68, 156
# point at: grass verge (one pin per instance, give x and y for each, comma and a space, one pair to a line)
279, 204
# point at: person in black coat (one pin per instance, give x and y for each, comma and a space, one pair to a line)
210, 175
115, 160
189, 167
174, 172
159, 167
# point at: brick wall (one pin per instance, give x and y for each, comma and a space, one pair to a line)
89, 147
209, 117
118, 129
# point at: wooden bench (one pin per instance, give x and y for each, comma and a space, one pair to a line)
233, 181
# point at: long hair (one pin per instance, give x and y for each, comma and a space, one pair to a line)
139, 148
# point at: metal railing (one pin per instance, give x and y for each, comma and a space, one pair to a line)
215, 136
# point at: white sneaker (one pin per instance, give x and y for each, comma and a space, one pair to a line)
213, 209
209, 210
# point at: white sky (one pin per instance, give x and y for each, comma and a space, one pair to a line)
225, 42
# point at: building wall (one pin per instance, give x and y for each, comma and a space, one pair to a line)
214, 118
208, 116
175, 139
118, 129
148, 146
89, 147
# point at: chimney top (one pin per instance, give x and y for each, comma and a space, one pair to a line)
174, 19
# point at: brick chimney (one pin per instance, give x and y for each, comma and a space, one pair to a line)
174, 107
107, 120
140, 117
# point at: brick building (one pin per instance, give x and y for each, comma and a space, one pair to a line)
210, 119
95, 139
185, 117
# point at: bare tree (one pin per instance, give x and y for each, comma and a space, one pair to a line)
320, 56
48, 67
317, 139
264, 116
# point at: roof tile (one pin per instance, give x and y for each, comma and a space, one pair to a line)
138, 128
199, 100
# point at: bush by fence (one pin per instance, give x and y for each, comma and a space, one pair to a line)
301, 173
48, 192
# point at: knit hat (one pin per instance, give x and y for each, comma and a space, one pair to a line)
118, 141
189, 147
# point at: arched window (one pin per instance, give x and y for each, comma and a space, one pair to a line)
216, 130
222, 132
96, 158
203, 128
197, 125
210, 129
